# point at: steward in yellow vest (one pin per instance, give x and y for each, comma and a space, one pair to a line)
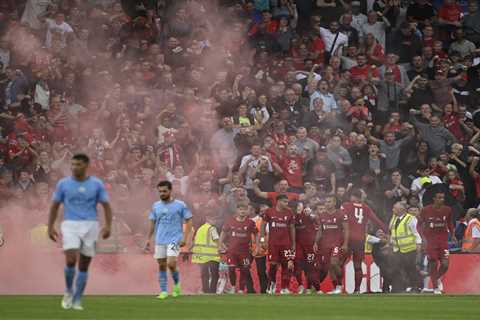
205, 253
406, 245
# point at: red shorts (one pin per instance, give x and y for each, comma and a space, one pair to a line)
280, 254
437, 252
238, 259
327, 253
356, 249
305, 253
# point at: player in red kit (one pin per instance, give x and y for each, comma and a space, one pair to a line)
305, 260
331, 241
434, 223
281, 241
358, 214
236, 239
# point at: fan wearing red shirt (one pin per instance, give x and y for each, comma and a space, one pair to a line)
331, 240
292, 167
282, 187
363, 71
305, 258
236, 241
358, 214
434, 224
281, 241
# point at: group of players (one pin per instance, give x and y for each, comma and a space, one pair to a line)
316, 241
313, 241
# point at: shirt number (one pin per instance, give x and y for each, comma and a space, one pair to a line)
359, 215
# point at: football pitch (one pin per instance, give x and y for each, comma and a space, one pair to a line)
246, 307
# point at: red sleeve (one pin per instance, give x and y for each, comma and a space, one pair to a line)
266, 216
451, 227
372, 216
420, 221
271, 195
253, 227
226, 227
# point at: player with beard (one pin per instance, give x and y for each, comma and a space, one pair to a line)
331, 241
281, 242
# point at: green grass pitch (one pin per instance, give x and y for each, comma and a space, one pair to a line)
249, 307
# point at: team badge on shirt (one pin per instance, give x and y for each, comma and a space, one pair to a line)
82, 189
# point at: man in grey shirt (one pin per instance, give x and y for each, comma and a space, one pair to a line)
437, 136
305, 144
391, 147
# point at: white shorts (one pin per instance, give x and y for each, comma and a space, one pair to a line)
163, 251
80, 235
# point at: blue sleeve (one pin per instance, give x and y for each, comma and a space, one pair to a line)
152, 215
59, 193
102, 193
186, 213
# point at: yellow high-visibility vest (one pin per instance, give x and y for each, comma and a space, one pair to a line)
205, 249
402, 238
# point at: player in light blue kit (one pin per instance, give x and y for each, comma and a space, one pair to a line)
166, 222
79, 195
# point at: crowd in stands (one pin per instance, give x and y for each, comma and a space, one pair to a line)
231, 100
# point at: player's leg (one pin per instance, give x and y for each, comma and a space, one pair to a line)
161, 256
173, 250
232, 261
358, 256
312, 271
274, 259
444, 262
336, 265
287, 258
71, 247
81, 282
300, 267
245, 277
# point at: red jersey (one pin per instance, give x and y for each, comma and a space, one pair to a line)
239, 234
332, 228
358, 214
434, 224
279, 223
360, 73
293, 170
452, 123
305, 229
273, 196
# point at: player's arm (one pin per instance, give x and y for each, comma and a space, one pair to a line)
293, 235
346, 235
318, 237
372, 216
420, 225
221, 240
150, 231
188, 230
261, 238
52, 217
451, 227
107, 210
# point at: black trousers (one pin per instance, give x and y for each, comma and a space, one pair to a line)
209, 274
406, 274
261, 264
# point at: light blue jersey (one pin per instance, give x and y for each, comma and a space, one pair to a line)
80, 198
169, 217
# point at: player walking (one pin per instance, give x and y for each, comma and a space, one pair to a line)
236, 239
79, 195
331, 241
434, 223
358, 214
281, 241
166, 222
